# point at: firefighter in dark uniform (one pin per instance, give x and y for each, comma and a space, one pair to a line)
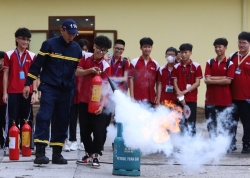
55, 63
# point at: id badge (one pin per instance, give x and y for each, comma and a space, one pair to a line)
21, 75
169, 88
188, 86
237, 71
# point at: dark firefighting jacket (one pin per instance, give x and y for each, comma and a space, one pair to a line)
56, 63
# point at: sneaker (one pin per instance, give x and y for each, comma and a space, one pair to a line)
33, 151
66, 147
85, 160
245, 149
81, 147
6, 151
74, 146
232, 148
95, 162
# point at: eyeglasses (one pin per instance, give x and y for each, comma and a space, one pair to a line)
119, 49
25, 39
242, 43
103, 51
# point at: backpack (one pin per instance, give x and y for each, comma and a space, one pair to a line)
212, 60
228, 61
123, 65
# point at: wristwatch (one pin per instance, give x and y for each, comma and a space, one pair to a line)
35, 91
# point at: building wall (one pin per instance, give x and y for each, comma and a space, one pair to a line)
167, 22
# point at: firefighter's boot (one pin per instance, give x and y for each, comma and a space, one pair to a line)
57, 158
40, 155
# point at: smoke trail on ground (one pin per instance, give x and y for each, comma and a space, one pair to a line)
145, 128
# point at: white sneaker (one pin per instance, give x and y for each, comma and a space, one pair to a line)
96, 161
74, 146
66, 146
6, 151
33, 151
81, 147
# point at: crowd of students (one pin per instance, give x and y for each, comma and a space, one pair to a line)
65, 69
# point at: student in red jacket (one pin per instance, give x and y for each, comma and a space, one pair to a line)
166, 90
240, 88
219, 74
187, 75
90, 123
143, 74
2, 105
17, 63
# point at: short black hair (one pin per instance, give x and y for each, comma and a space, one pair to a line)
221, 41
82, 42
103, 42
146, 41
2, 54
22, 32
186, 47
244, 36
172, 49
119, 41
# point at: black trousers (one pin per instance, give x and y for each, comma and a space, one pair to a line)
107, 115
18, 109
2, 123
54, 109
213, 117
242, 111
91, 123
74, 109
189, 125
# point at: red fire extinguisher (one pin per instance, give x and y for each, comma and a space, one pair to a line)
14, 143
95, 93
26, 134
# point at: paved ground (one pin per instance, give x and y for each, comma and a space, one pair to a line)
154, 165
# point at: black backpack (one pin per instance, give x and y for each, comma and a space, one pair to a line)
228, 61
123, 65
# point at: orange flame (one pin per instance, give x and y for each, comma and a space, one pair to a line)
159, 129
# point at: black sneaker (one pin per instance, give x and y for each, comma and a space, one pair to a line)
232, 148
85, 160
245, 149
95, 162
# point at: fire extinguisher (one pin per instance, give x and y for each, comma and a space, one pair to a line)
26, 134
14, 142
95, 93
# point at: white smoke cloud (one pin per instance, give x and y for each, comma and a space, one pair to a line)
142, 124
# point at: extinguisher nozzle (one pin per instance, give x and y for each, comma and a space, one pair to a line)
113, 87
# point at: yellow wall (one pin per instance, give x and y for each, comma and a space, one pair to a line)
167, 22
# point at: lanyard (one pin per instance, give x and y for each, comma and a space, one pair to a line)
19, 59
184, 71
113, 65
239, 62
169, 76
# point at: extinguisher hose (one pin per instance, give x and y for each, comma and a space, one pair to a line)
113, 87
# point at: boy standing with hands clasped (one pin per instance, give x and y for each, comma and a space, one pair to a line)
187, 75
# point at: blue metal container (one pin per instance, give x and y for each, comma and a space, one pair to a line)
126, 162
